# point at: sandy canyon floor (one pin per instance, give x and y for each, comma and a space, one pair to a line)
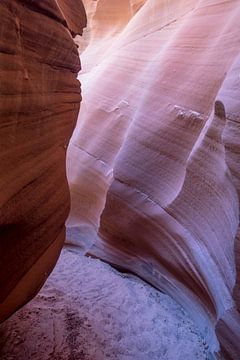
89, 311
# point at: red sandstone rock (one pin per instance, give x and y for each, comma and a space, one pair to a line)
40, 98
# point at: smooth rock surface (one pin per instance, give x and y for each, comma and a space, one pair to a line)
153, 164
40, 97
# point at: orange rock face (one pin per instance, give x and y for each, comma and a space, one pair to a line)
40, 99
154, 161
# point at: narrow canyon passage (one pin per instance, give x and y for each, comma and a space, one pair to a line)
119, 149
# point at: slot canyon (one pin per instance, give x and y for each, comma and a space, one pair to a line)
119, 179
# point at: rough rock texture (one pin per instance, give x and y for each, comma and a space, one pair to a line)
89, 311
154, 161
40, 98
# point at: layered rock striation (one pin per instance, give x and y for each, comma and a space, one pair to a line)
40, 98
153, 163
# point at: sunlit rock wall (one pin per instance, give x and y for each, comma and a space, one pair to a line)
154, 161
39, 97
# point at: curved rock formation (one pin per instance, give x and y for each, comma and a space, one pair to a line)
154, 161
40, 99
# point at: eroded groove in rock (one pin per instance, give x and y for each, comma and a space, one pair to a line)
40, 99
161, 108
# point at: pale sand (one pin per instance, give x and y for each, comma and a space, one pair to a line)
89, 311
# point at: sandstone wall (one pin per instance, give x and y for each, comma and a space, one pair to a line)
154, 161
40, 97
